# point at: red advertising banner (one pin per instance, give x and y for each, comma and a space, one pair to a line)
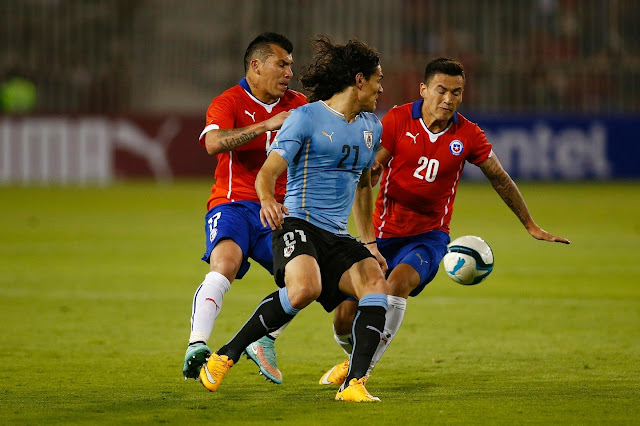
99, 149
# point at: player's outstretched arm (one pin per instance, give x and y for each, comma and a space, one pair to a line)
224, 140
271, 212
510, 194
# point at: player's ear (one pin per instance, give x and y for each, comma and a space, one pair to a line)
255, 65
359, 80
423, 90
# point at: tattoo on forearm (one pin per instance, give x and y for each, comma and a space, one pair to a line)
235, 138
508, 191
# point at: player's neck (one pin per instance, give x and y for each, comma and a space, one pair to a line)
259, 93
345, 103
435, 126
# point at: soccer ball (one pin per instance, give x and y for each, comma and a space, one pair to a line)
468, 260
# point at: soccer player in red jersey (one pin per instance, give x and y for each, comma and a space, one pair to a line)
425, 145
241, 124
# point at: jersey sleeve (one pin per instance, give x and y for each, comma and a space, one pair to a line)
290, 137
220, 115
389, 130
482, 149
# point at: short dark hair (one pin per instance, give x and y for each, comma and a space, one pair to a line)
443, 66
260, 47
335, 67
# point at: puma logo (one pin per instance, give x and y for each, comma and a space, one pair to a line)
330, 136
370, 327
251, 115
214, 302
459, 265
412, 137
421, 261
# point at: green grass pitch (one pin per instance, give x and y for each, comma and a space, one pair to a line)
96, 287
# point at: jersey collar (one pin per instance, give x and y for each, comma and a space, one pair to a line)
245, 85
416, 112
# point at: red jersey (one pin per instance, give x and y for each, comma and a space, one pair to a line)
418, 186
237, 170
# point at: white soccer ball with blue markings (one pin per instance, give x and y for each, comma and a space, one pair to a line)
469, 260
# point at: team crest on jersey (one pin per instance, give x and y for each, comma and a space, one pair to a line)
368, 138
288, 250
456, 147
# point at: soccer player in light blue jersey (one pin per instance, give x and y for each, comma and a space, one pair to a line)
327, 148
326, 156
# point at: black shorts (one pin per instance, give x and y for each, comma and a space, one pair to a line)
335, 254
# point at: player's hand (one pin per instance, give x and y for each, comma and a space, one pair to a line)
376, 171
275, 122
540, 234
272, 214
373, 248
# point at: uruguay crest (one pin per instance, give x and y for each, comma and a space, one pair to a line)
288, 250
368, 138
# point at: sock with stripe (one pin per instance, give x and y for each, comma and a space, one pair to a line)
272, 313
207, 303
367, 331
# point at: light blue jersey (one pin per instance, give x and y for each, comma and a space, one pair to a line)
326, 157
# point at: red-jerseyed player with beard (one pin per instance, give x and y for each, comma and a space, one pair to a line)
241, 124
425, 145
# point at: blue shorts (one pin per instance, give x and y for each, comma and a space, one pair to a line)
423, 252
240, 222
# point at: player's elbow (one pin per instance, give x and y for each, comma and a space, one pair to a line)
212, 144
212, 148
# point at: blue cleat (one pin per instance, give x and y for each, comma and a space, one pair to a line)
263, 353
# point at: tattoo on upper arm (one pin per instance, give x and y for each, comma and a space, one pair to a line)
234, 138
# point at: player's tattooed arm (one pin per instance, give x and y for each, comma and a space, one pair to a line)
510, 194
224, 140
230, 139
507, 189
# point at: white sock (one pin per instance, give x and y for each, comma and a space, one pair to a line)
207, 303
393, 319
274, 334
345, 341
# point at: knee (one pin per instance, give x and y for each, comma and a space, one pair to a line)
226, 259
302, 294
401, 288
403, 280
228, 269
378, 284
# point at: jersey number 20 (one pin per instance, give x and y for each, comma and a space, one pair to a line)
431, 167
